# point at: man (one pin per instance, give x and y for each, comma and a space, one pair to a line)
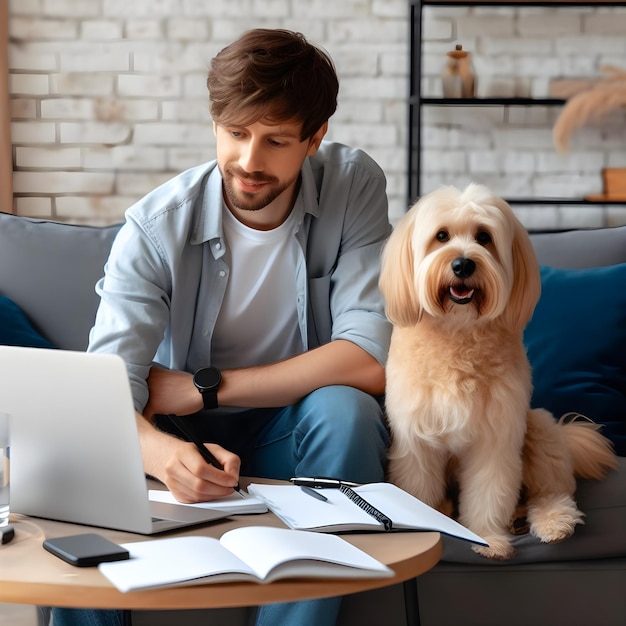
243, 294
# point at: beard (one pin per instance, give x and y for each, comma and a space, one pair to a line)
251, 201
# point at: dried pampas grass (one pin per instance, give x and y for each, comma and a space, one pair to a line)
607, 95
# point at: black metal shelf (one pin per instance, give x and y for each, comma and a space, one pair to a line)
517, 3
489, 101
417, 100
567, 201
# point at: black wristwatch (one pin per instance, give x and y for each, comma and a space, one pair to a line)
207, 380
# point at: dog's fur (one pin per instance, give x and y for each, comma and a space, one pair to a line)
461, 281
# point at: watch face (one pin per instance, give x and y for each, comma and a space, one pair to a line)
207, 378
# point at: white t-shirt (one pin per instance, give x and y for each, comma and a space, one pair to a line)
258, 321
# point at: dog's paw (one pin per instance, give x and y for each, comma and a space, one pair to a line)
554, 519
499, 549
555, 527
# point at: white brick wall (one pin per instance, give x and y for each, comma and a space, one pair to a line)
109, 96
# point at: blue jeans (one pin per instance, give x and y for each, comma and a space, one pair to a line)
335, 431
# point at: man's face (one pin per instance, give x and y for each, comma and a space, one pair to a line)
260, 163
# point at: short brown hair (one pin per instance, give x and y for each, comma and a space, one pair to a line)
273, 74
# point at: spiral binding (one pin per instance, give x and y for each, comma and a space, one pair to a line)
366, 506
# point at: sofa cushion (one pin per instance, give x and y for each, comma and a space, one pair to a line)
576, 343
592, 247
49, 270
601, 536
16, 329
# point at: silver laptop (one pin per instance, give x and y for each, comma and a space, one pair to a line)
75, 452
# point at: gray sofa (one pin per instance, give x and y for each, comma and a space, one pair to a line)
49, 269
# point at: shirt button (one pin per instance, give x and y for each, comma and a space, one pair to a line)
205, 332
222, 273
218, 246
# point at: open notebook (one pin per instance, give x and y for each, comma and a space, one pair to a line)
373, 507
251, 553
237, 503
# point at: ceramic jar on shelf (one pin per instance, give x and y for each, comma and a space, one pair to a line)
458, 78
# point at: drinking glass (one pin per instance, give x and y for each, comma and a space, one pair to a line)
5, 460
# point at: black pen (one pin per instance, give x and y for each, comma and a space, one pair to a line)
321, 481
202, 449
312, 492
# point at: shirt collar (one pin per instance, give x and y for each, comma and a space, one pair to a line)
308, 189
208, 220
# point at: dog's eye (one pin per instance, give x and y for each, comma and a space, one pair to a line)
483, 238
442, 235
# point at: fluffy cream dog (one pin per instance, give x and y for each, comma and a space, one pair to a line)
461, 281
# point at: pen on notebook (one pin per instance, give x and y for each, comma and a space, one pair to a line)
321, 481
316, 494
202, 449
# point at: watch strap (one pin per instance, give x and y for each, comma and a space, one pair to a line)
209, 398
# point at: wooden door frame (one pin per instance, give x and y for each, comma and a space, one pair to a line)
6, 151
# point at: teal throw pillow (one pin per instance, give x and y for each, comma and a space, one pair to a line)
16, 329
576, 344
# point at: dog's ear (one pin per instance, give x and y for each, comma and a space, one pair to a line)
526, 280
396, 275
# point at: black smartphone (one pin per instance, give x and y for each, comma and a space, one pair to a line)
86, 549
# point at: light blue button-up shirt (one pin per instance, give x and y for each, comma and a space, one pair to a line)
166, 275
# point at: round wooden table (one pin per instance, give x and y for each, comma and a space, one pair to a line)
31, 575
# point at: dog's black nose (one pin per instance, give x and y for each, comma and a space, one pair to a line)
462, 267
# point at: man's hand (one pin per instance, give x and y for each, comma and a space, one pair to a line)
191, 479
172, 392
179, 465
